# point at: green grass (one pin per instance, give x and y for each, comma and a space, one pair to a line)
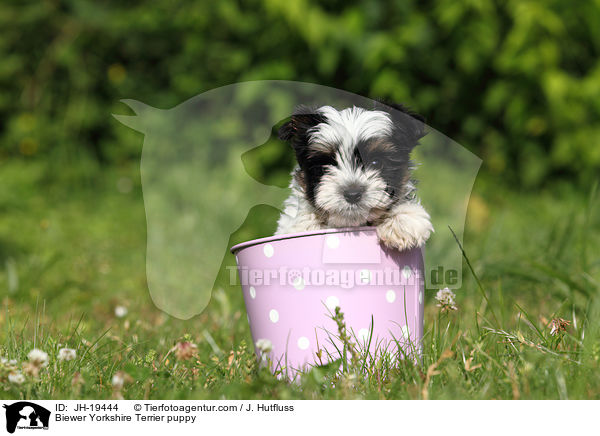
71, 252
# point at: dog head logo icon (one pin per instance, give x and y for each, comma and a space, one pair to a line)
24, 414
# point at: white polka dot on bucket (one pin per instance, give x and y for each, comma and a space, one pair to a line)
268, 250
406, 272
332, 302
363, 334
405, 332
364, 276
274, 315
390, 296
298, 283
252, 292
421, 297
303, 343
332, 241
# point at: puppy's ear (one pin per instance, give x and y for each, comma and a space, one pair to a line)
296, 128
286, 131
408, 123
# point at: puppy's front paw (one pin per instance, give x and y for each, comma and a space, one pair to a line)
409, 227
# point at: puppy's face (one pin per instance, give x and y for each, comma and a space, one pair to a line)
354, 164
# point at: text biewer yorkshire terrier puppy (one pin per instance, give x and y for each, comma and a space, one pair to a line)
354, 169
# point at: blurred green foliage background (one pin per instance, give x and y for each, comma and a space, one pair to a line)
516, 82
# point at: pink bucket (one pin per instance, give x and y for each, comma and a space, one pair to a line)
292, 284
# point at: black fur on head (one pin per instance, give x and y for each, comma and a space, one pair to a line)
296, 133
409, 126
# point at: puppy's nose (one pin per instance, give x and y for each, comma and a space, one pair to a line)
352, 194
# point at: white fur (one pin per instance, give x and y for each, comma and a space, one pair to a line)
407, 226
330, 198
298, 214
348, 126
340, 133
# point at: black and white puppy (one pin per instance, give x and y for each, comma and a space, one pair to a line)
354, 169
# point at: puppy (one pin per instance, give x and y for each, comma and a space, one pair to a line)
354, 169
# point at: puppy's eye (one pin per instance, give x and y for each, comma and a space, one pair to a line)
375, 163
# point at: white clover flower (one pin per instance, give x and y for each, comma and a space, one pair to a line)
445, 298
66, 354
12, 362
120, 311
16, 378
118, 380
3, 360
264, 345
38, 357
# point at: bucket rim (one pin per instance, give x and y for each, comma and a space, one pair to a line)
285, 236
